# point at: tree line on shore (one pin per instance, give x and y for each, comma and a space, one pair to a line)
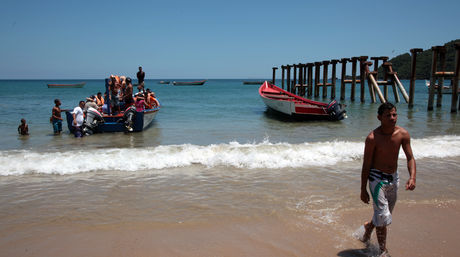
402, 63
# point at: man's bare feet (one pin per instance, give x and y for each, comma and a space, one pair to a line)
368, 227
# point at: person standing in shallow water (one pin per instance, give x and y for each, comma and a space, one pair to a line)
23, 128
56, 118
380, 165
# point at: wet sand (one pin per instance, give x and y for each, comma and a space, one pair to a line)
422, 229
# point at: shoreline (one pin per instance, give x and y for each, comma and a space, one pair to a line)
418, 229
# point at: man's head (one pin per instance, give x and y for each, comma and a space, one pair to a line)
57, 102
81, 104
140, 68
387, 114
99, 94
23, 121
385, 106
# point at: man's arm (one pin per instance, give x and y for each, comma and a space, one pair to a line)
410, 185
74, 118
367, 162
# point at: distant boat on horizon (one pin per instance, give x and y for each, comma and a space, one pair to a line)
77, 85
163, 82
445, 89
251, 82
189, 83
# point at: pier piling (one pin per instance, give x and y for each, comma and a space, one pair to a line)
317, 72
274, 75
310, 79
334, 70
413, 65
342, 78
325, 84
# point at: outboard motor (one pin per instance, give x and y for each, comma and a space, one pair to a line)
336, 111
92, 121
128, 117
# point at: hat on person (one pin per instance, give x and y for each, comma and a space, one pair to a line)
128, 79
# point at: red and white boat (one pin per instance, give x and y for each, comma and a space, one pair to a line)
295, 106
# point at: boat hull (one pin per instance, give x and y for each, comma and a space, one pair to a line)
292, 105
79, 85
112, 123
192, 83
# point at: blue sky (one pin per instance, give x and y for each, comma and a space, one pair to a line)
208, 39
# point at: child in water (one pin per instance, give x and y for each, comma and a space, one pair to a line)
23, 128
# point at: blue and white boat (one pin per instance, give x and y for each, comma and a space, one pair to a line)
129, 120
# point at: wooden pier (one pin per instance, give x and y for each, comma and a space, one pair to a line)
300, 79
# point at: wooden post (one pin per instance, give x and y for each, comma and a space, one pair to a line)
304, 79
294, 82
334, 70
353, 78
274, 73
310, 79
342, 78
299, 90
376, 67
434, 63
371, 81
395, 91
288, 79
442, 62
455, 80
413, 66
325, 68
362, 75
282, 76
317, 67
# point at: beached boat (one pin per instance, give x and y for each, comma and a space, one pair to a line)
128, 121
445, 89
78, 85
163, 82
295, 106
189, 83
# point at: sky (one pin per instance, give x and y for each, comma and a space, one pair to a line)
209, 39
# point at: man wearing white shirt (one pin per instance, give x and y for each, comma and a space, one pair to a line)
78, 119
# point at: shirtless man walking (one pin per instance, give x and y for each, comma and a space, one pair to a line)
380, 166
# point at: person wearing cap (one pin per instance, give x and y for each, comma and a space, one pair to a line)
90, 102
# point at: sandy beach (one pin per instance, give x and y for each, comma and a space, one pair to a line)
418, 230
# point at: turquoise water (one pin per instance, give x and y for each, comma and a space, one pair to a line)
214, 153
221, 111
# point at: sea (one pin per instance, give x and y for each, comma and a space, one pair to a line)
214, 153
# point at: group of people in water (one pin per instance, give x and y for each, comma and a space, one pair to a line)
120, 96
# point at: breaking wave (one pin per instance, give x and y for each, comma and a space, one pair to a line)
246, 156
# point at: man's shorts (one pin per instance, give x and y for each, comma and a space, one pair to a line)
57, 125
384, 188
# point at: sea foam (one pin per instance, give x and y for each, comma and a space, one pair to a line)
246, 156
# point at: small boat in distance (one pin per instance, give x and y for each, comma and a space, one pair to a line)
189, 83
250, 82
78, 85
445, 89
163, 82
298, 107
